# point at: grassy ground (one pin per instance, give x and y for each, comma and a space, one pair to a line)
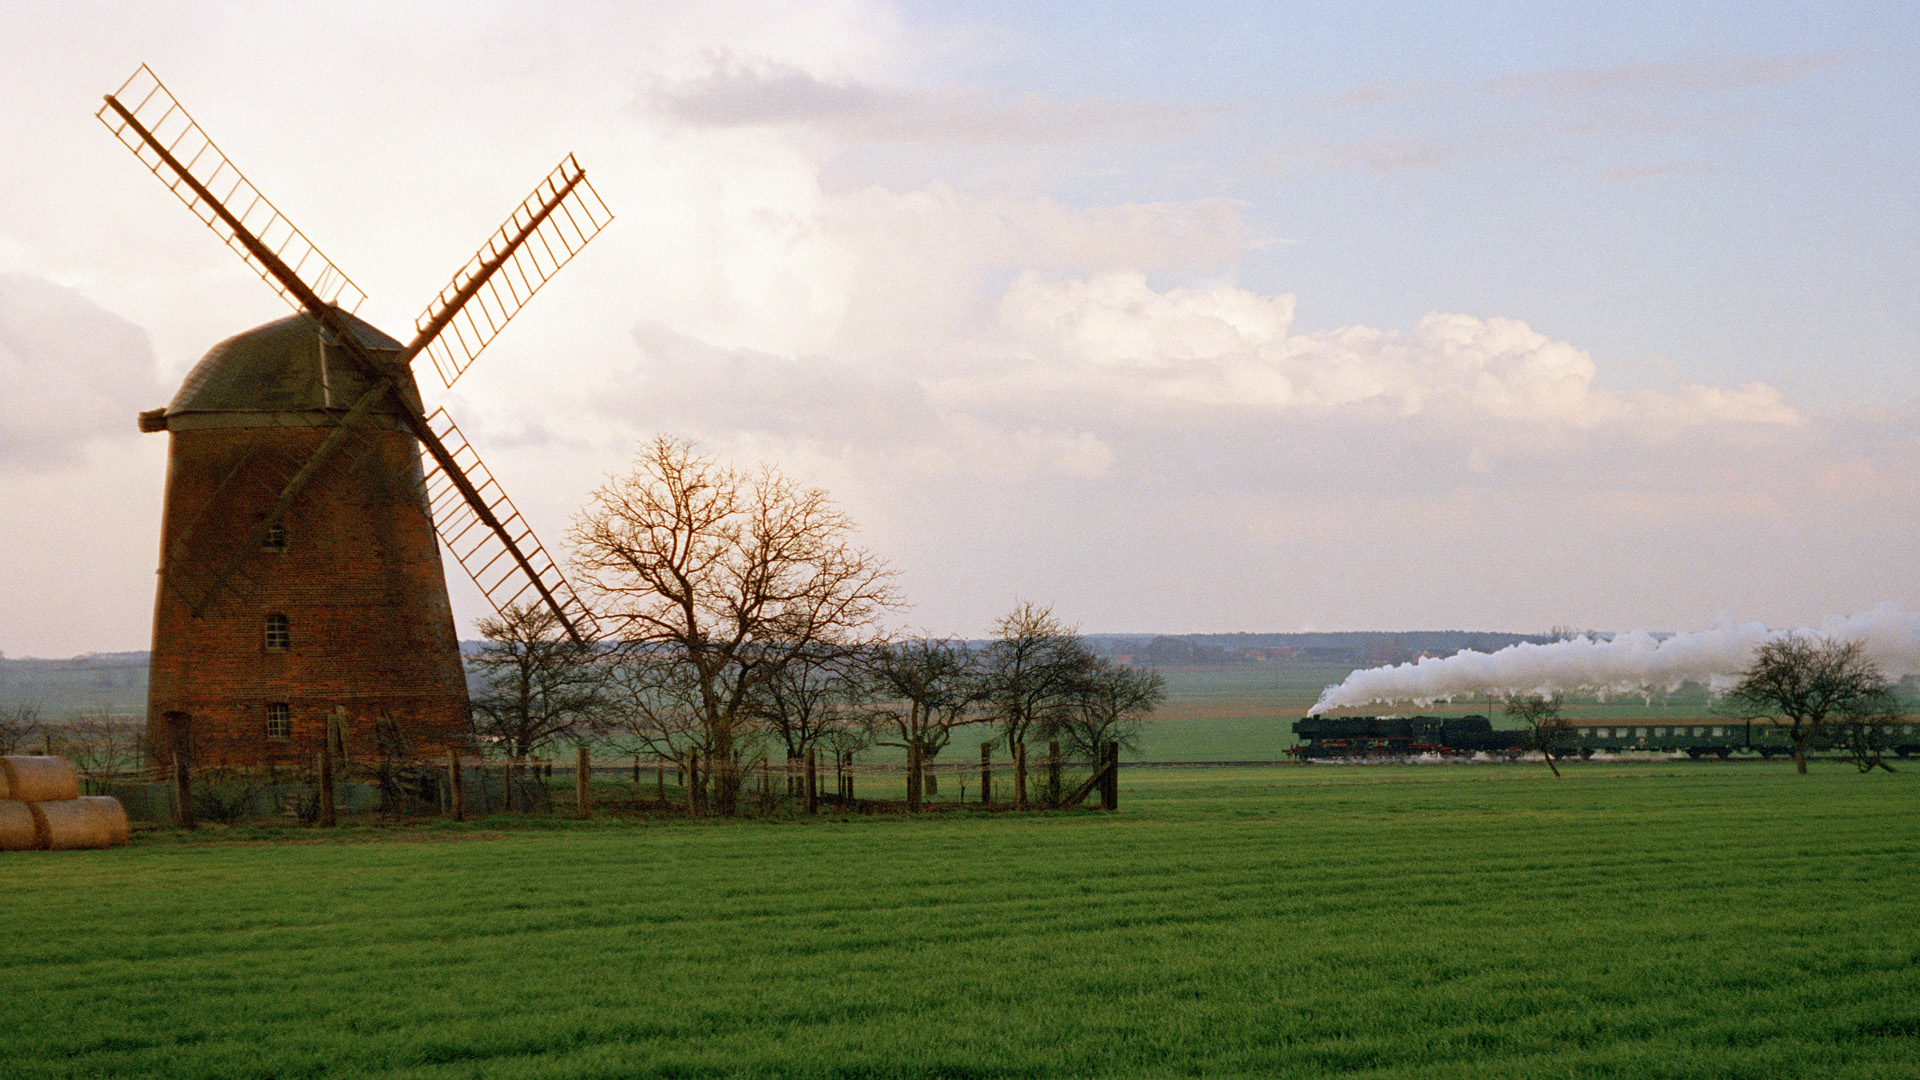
1687, 920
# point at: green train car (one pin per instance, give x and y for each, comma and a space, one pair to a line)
1353, 737
1721, 738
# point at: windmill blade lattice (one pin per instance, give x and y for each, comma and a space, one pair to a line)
481, 550
144, 116
546, 231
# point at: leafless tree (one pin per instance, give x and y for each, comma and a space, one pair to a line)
1812, 683
1865, 734
814, 696
19, 721
924, 689
1539, 714
98, 743
1029, 674
1108, 704
652, 703
539, 684
736, 573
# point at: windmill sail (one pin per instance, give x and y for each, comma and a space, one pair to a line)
144, 116
479, 549
544, 232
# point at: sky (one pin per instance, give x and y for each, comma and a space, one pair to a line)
1177, 318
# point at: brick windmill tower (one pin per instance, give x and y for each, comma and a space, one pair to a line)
300, 576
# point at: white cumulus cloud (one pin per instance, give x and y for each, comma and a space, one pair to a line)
1223, 345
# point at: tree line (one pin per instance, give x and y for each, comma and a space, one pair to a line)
742, 621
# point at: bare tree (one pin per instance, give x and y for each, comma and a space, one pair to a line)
1108, 704
925, 689
1547, 731
805, 702
539, 684
1030, 672
652, 703
98, 743
19, 721
1811, 683
1865, 734
736, 573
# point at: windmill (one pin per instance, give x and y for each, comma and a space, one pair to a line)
301, 587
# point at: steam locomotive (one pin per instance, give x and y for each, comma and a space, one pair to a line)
1331, 737
1402, 736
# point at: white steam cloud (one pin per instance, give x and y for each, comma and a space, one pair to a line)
1635, 663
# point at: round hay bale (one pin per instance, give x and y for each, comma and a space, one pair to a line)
70, 825
113, 814
17, 832
6, 789
36, 778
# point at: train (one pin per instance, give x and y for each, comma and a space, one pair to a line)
1339, 737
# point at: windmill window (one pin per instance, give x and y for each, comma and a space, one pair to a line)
275, 538
279, 637
279, 721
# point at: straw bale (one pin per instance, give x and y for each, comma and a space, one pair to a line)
34, 778
113, 814
71, 824
6, 788
17, 832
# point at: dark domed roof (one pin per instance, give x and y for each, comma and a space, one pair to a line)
288, 372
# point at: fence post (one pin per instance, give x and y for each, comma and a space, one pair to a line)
1053, 773
327, 817
813, 783
986, 773
337, 733
913, 776
506, 786
693, 772
846, 777
457, 787
1019, 776
1110, 790
582, 773
180, 723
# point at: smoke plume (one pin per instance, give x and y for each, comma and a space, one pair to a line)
1634, 663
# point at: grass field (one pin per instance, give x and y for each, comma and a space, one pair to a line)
1683, 920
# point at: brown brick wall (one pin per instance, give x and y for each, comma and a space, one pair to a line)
360, 582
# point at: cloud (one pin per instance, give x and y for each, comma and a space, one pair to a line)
1226, 346
731, 395
1631, 173
1621, 102
1667, 78
741, 93
1670, 78
73, 371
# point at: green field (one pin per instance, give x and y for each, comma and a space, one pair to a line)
1656, 920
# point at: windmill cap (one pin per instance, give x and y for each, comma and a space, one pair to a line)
290, 372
